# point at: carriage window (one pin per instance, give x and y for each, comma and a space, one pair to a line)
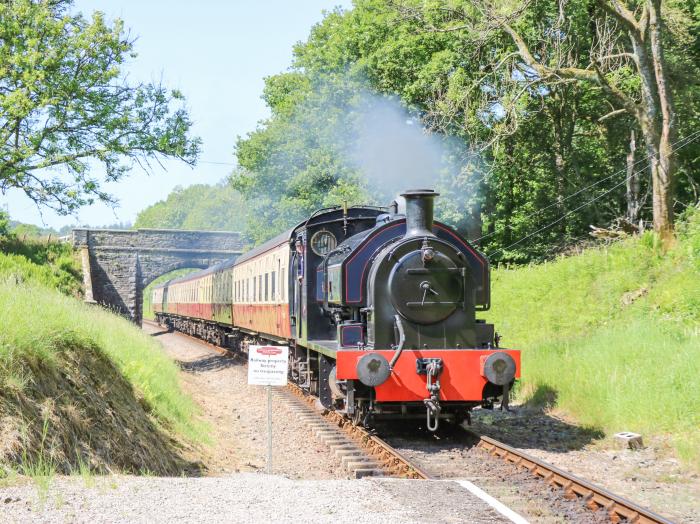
266, 286
272, 286
260, 288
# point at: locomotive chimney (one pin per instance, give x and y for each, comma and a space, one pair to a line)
419, 212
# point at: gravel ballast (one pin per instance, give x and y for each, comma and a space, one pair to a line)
244, 497
237, 414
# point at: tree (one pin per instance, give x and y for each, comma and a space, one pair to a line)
4, 224
547, 147
65, 107
626, 60
205, 207
297, 162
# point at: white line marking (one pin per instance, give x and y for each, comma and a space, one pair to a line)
495, 504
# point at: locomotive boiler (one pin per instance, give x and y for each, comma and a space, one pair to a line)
379, 309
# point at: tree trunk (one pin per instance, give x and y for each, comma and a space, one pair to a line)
662, 184
655, 118
633, 184
664, 169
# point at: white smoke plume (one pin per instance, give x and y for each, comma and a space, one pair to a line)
394, 152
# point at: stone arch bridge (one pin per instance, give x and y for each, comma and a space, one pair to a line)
119, 264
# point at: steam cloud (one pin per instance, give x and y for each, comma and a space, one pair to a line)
394, 152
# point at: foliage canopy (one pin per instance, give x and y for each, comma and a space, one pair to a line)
546, 149
200, 206
65, 107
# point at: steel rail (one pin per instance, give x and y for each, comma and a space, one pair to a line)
595, 497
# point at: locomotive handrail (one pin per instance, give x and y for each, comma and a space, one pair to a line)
333, 208
402, 340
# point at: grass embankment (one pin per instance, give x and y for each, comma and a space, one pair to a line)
612, 336
51, 264
80, 387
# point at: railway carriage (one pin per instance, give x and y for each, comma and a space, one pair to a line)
379, 309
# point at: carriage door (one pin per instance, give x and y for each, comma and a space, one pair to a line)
297, 294
277, 295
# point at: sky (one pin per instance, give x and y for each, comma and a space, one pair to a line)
218, 54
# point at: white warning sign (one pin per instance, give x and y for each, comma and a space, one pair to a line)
267, 365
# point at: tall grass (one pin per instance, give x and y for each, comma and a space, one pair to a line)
614, 333
39, 322
52, 264
42, 468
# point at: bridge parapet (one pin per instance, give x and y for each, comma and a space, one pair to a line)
119, 264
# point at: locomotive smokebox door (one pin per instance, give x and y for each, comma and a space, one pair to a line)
426, 291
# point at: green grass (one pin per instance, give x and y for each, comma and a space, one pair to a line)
47, 331
52, 264
39, 323
41, 468
613, 334
83, 471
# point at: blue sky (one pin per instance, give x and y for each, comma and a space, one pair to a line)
217, 53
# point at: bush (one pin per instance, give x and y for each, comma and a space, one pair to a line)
50, 263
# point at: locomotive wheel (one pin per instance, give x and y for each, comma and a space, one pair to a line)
358, 417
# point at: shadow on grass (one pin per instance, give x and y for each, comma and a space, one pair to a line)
532, 426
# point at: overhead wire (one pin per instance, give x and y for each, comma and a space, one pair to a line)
597, 182
687, 140
217, 163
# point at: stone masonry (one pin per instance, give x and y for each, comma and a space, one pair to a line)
119, 264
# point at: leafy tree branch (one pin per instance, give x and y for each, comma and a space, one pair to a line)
65, 107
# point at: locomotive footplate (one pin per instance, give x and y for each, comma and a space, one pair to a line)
463, 375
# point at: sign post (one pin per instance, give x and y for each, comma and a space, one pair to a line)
267, 366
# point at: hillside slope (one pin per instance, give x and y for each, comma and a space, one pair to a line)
80, 387
611, 336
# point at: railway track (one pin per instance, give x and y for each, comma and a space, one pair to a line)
595, 498
391, 461
571, 487
381, 458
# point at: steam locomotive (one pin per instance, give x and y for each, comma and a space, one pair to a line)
377, 307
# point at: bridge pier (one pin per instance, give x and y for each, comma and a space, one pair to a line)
119, 264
